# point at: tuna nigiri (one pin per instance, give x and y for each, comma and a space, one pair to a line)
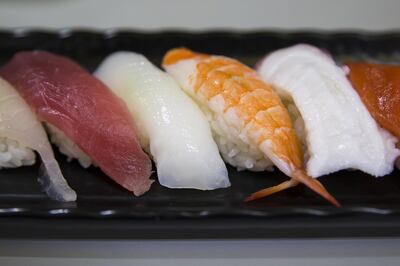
85, 111
172, 127
21, 134
251, 125
337, 129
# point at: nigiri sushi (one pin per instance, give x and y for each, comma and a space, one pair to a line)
338, 131
379, 88
172, 128
251, 125
21, 134
84, 114
378, 85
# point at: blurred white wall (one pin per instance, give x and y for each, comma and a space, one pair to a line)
202, 14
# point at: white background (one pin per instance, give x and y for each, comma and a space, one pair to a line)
202, 15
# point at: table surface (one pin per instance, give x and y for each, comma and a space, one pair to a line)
202, 15
202, 252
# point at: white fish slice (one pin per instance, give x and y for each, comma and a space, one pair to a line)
18, 123
172, 128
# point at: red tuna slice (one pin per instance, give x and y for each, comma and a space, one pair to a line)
65, 95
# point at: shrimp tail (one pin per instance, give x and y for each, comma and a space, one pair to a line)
315, 185
272, 190
298, 176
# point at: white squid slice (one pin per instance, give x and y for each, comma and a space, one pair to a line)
340, 132
19, 123
171, 126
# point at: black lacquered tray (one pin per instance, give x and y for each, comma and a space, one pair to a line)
371, 206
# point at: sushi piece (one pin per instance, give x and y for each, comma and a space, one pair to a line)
21, 134
92, 120
337, 130
171, 126
251, 125
378, 86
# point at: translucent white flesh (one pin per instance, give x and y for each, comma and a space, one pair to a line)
340, 132
227, 127
17, 122
169, 123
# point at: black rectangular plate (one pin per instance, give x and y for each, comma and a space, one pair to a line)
371, 206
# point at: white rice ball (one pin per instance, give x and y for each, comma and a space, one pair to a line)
13, 154
232, 143
67, 146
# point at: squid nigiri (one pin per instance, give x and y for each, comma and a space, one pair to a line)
85, 112
171, 126
338, 131
21, 134
251, 125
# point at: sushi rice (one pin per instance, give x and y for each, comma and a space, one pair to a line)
13, 154
236, 150
67, 146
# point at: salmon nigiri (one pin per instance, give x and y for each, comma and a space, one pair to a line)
84, 114
379, 88
250, 124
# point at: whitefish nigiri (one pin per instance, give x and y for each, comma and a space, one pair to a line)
251, 125
338, 131
86, 116
172, 128
21, 133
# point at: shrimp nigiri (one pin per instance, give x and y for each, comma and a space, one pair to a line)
21, 133
250, 124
